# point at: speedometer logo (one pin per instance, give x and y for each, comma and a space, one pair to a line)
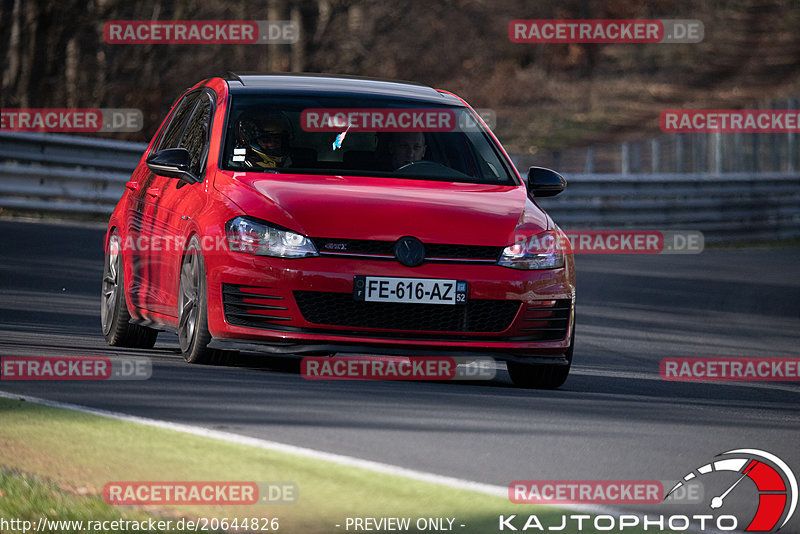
775, 483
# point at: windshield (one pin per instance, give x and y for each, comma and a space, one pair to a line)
366, 137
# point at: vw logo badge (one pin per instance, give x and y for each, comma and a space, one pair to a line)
409, 251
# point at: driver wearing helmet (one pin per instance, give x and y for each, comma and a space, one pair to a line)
261, 141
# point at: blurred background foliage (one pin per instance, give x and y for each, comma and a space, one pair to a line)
545, 96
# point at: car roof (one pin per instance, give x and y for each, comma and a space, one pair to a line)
335, 85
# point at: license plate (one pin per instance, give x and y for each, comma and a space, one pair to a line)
409, 290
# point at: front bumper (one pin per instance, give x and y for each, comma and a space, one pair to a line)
274, 305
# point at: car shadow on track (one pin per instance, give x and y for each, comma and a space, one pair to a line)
601, 385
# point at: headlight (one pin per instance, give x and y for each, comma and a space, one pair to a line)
253, 236
540, 251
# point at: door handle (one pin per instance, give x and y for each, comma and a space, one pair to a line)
133, 186
154, 192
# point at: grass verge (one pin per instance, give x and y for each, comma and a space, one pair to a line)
78, 453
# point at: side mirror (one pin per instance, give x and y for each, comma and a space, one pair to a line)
173, 163
544, 182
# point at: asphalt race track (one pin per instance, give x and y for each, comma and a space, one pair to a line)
615, 418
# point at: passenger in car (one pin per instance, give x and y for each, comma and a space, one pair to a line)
398, 149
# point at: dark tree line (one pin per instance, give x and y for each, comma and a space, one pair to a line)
55, 55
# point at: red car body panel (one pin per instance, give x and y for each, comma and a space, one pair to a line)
350, 207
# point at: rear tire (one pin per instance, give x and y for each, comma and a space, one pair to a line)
542, 376
193, 333
114, 315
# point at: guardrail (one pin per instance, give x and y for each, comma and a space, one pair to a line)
726, 208
64, 174
69, 174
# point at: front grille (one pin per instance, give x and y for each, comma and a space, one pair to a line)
341, 309
253, 306
354, 246
473, 252
334, 246
546, 320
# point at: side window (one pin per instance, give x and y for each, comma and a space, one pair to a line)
196, 136
172, 136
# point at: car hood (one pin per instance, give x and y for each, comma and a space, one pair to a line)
386, 209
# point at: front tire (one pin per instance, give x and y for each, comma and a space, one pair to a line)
542, 376
193, 333
114, 315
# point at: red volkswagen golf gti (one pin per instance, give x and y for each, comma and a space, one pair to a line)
320, 215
